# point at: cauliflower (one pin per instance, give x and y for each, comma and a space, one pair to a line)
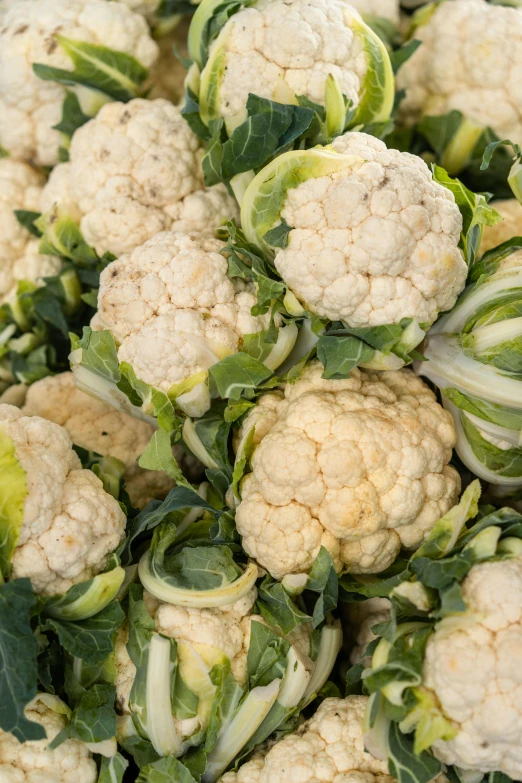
470, 60
474, 673
362, 616
32, 762
20, 188
94, 426
329, 747
167, 77
172, 308
359, 466
511, 226
373, 240
133, 172
380, 9
30, 107
70, 524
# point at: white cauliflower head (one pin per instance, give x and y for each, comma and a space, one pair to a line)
32, 762
475, 673
328, 748
134, 171
70, 524
20, 188
510, 226
29, 106
359, 466
172, 308
97, 427
362, 616
470, 60
380, 9
374, 242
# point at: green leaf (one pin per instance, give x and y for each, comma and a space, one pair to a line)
18, 652
235, 374
225, 703
242, 460
277, 608
401, 55
61, 236
502, 415
92, 640
159, 456
212, 160
439, 130
94, 718
72, 116
99, 353
166, 770
13, 486
503, 462
266, 657
112, 770
200, 568
339, 355
191, 113
440, 574
404, 765
278, 236
323, 579
27, 220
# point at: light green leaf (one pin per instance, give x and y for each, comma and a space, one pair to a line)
112, 770
13, 492
502, 462
404, 764
235, 374
167, 770
339, 355
502, 415
159, 456
94, 718
266, 657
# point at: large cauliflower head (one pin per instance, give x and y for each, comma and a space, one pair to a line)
359, 466
172, 308
327, 748
20, 188
510, 226
70, 524
470, 60
374, 242
32, 762
475, 672
134, 171
30, 107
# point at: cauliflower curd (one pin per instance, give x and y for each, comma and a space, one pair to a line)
359, 466
510, 226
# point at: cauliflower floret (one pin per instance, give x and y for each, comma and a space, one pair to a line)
134, 171
94, 426
362, 616
380, 9
70, 523
20, 188
470, 60
173, 309
29, 106
475, 673
374, 243
327, 748
32, 762
511, 226
359, 466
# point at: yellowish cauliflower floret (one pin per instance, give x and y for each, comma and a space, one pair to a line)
476, 676
511, 226
359, 466
173, 309
20, 188
328, 748
29, 106
31, 762
70, 523
380, 9
94, 426
135, 170
374, 243
362, 617
470, 60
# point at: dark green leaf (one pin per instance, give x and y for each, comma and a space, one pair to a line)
339, 355
266, 657
404, 765
278, 236
72, 116
93, 720
92, 640
277, 607
400, 56
323, 579
27, 220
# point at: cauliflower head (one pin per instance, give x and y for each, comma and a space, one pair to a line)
359, 466
362, 616
97, 427
475, 675
173, 309
510, 226
32, 762
30, 107
134, 171
470, 60
329, 747
20, 188
70, 524
374, 242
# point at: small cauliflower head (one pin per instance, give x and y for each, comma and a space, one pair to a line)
474, 672
470, 60
134, 171
328, 748
510, 226
172, 308
97, 427
29, 106
359, 466
70, 524
378, 9
20, 188
362, 616
373, 241
32, 762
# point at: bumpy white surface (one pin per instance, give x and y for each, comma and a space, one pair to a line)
31, 762
328, 748
359, 466
135, 170
298, 42
29, 106
470, 60
475, 673
70, 523
94, 426
20, 188
382, 9
373, 243
511, 226
171, 306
